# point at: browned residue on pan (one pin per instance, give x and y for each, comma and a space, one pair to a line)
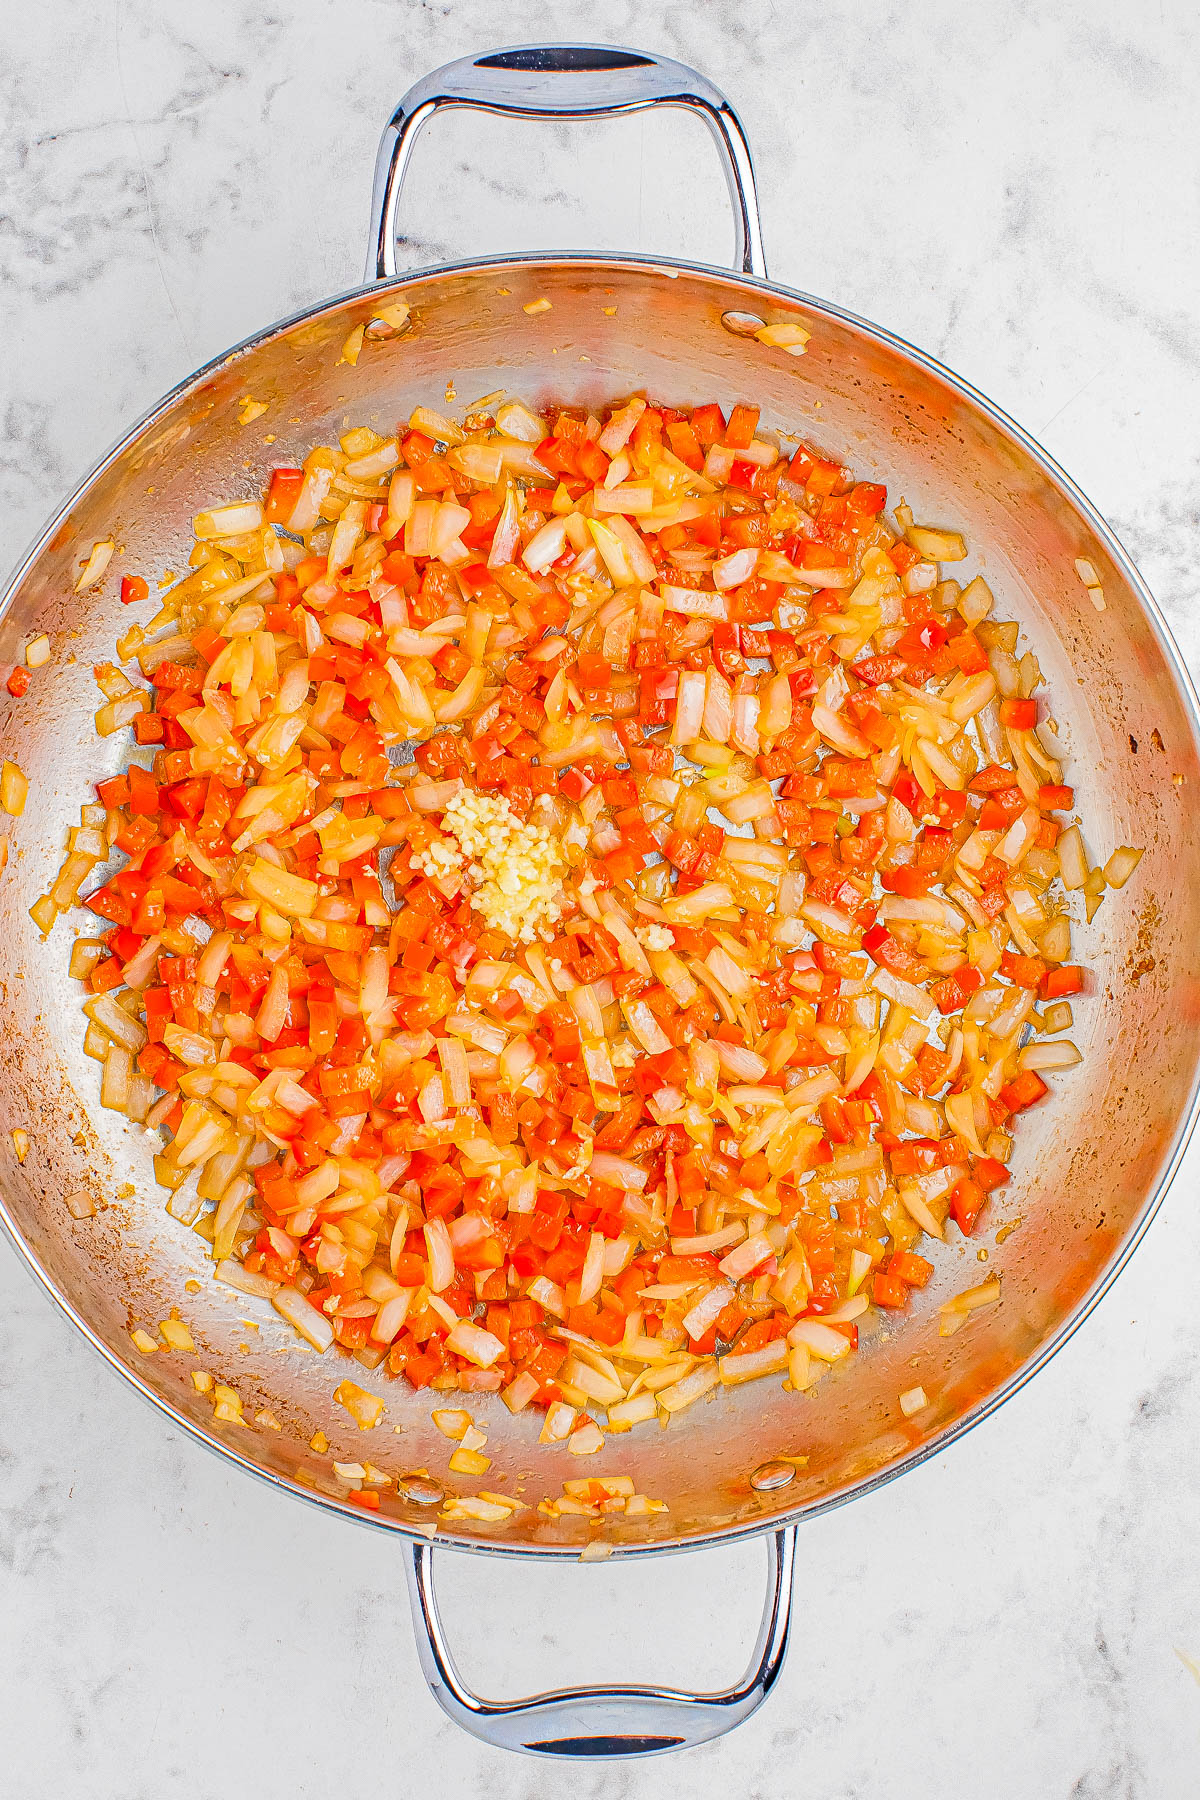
1138, 960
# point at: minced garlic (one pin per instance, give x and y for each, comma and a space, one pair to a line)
654, 937
518, 867
581, 1162
439, 860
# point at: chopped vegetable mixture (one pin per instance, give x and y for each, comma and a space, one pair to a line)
593, 903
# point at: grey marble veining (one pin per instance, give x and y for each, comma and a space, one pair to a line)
1012, 187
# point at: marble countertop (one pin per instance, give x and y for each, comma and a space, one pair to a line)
1003, 185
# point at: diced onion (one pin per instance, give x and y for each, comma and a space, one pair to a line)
731, 571
592, 1274
440, 1254
97, 562
937, 546
303, 1317
538, 858
1120, 866
704, 1313
819, 1340
693, 1387
477, 1345
366, 1409
749, 1365
1062, 1054
746, 1256
14, 786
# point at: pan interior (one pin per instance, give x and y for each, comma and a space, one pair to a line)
1087, 1166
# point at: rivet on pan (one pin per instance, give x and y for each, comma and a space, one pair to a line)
379, 329
770, 1475
421, 1489
742, 324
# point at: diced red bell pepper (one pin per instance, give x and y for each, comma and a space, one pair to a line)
143, 792
867, 498
884, 949
283, 494
875, 670
109, 904
209, 644
186, 798
178, 678
966, 1203
741, 427
953, 991
1020, 714
989, 1173
889, 1290
1026, 1089
133, 589
106, 975
916, 1156
1056, 984
910, 881
113, 793
915, 1270
968, 653
1022, 971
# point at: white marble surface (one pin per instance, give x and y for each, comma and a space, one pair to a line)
1011, 186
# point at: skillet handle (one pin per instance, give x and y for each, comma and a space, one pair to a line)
563, 81
604, 1722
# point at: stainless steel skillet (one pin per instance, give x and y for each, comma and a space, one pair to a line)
1090, 1170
